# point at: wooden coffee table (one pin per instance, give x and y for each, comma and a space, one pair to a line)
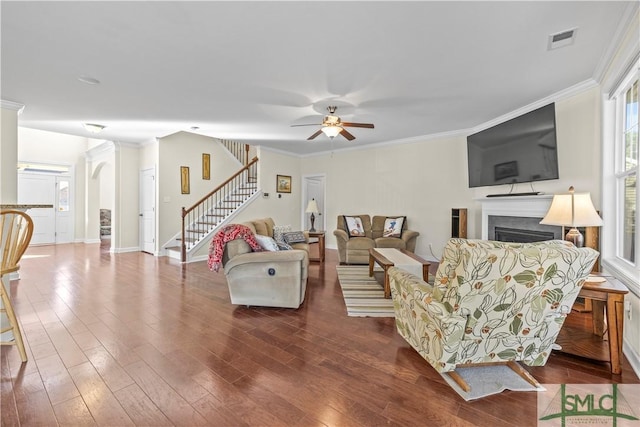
376, 257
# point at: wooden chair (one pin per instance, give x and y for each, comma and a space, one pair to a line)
16, 229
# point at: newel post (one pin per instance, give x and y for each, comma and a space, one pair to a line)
183, 242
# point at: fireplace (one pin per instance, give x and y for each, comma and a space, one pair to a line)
504, 234
521, 229
517, 219
523, 214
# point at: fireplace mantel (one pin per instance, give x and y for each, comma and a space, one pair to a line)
519, 206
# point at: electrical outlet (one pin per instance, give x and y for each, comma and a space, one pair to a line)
627, 308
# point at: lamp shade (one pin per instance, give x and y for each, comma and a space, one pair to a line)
331, 131
312, 207
572, 210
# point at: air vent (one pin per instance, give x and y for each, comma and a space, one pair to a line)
562, 39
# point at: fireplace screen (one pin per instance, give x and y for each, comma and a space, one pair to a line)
504, 234
521, 229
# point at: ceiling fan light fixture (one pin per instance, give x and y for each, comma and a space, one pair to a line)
93, 128
331, 131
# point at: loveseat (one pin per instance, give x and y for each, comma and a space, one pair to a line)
491, 302
270, 278
354, 244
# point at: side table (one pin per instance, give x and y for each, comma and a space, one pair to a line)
607, 301
320, 236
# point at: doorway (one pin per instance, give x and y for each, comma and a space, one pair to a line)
50, 225
314, 188
148, 210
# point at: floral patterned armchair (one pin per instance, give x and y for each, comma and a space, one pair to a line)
490, 302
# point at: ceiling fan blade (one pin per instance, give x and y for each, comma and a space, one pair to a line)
358, 125
314, 135
308, 124
347, 135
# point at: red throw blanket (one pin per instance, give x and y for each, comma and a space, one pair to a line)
226, 234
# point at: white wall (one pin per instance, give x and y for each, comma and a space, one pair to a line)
186, 149
421, 180
149, 156
126, 209
627, 50
9, 155
38, 146
285, 210
107, 195
424, 180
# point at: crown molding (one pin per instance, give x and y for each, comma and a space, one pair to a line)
558, 96
124, 144
99, 152
10, 105
278, 151
394, 142
628, 20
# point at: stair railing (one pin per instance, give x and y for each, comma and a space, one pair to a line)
239, 150
195, 216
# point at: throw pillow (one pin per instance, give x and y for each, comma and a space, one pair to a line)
267, 243
294, 237
278, 232
354, 227
393, 226
283, 246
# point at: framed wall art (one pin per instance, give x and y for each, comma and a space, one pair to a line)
184, 179
283, 183
206, 166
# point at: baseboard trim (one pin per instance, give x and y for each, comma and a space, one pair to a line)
632, 357
124, 250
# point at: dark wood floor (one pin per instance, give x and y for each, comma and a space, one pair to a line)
130, 339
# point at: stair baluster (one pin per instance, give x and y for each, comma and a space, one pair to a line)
208, 212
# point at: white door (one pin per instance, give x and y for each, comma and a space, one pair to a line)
148, 210
39, 189
50, 225
64, 213
314, 189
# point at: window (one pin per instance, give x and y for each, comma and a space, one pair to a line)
620, 191
627, 175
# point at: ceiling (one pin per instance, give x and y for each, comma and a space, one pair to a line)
247, 71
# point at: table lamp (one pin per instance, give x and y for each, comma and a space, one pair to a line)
312, 208
572, 210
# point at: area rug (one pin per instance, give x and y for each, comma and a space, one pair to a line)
363, 295
487, 380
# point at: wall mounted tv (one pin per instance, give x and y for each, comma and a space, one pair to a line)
523, 149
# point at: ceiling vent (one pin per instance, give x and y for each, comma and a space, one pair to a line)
562, 39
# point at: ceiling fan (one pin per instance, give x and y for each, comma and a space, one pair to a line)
332, 126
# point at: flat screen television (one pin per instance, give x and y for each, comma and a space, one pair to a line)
523, 149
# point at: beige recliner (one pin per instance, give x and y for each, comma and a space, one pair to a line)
355, 250
268, 279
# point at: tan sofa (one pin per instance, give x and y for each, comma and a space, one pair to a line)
269, 279
355, 250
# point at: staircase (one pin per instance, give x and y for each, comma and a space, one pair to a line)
202, 220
